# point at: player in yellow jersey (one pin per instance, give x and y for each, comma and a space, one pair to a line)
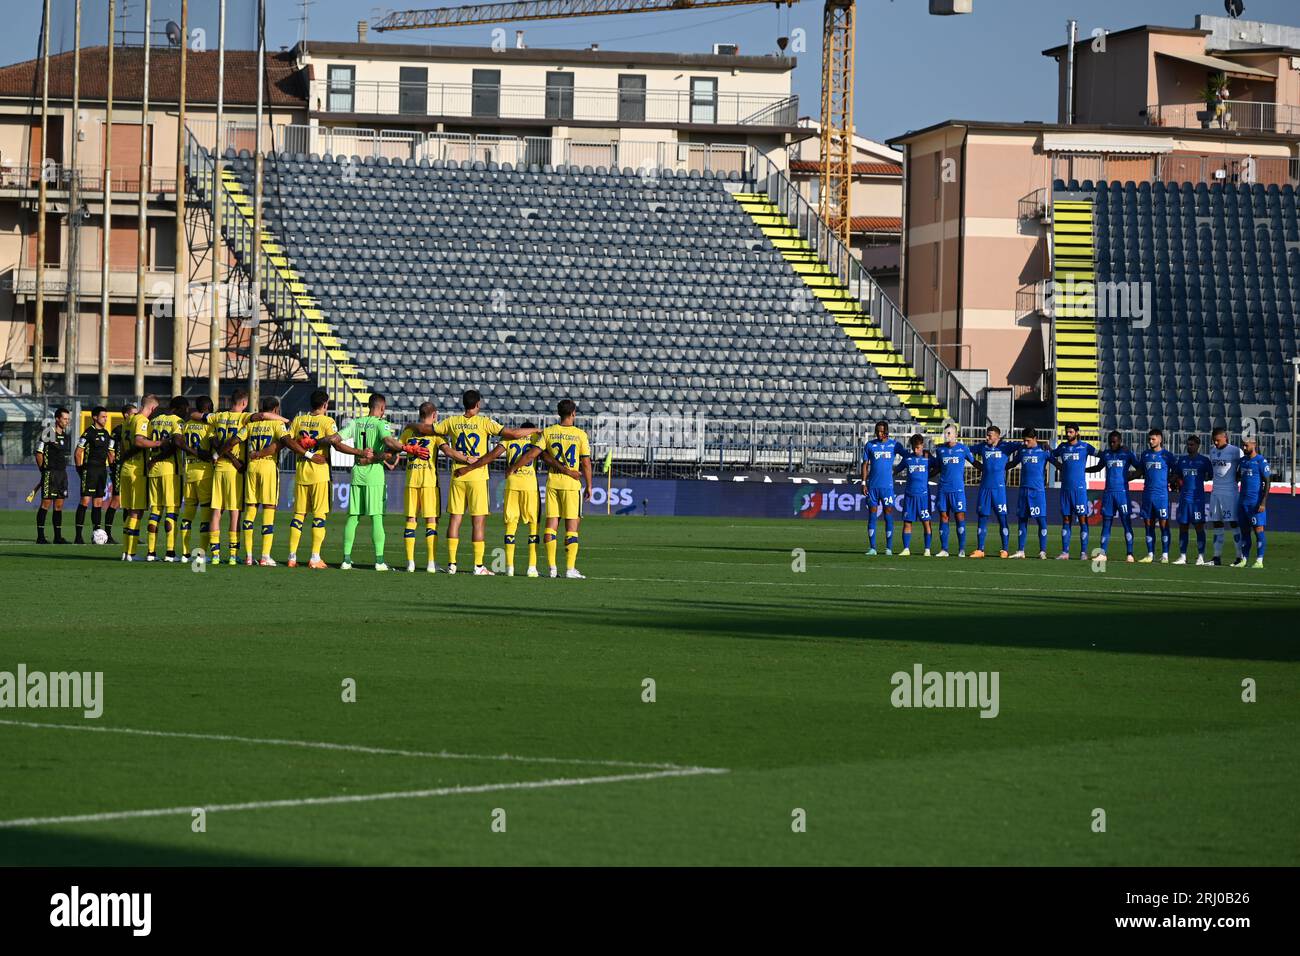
120, 443
165, 474
311, 477
520, 499
565, 448
421, 447
262, 442
134, 475
468, 494
197, 435
227, 475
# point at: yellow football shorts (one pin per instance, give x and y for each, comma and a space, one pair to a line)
312, 499
422, 502
133, 490
165, 492
227, 490
200, 489
262, 487
563, 502
467, 497
521, 505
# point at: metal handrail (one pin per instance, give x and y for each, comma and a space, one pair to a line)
941, 381
280, 300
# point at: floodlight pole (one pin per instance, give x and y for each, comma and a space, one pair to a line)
72, 336
108, 212
1295, 403
180, 271
38, 331
254, 345
217, 328
141, 217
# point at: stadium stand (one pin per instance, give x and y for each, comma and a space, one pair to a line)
1223, 264
1073, 269
655, 291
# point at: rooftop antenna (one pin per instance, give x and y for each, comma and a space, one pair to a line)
1235, 8
302, 18
173, 30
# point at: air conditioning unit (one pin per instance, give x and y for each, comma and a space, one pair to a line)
946, 8
1295, 62
726, 49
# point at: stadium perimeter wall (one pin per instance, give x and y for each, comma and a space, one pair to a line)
668, 497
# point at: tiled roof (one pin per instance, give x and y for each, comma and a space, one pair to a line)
282, 90
859, 169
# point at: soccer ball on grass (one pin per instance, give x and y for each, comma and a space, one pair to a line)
100, 536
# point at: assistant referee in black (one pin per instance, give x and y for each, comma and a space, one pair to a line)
52, 460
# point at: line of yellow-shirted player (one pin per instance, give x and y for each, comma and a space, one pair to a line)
183, 469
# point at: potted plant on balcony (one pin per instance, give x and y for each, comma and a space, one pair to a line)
1215, 98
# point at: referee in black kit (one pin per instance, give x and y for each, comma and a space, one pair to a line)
93, 457
52, 460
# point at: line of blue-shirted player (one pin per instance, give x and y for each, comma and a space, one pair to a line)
1239, 478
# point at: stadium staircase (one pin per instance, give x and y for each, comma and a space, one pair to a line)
847, 311
1074, 332
316, 343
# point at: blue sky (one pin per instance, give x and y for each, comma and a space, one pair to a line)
983, 66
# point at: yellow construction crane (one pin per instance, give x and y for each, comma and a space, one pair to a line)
837, 66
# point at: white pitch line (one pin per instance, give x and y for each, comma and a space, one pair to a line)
360, 797
930, 586
360, 748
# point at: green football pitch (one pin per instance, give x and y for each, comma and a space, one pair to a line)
506, 721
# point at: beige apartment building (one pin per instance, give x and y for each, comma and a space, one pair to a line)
974, 249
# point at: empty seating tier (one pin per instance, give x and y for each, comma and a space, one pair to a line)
621, 289
1196, 299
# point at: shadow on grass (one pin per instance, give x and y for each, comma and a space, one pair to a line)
48, 847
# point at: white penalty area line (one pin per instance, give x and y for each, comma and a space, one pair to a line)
362, 749
361, 797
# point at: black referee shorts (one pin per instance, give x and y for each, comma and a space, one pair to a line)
94, 481
54, 484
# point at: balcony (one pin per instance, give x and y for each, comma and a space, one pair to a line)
1245, 116
556, 105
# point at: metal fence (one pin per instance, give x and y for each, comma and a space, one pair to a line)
420, 101
939, 380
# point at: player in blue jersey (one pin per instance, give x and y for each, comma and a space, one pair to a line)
1157, 468
878, 460
1255, 477
1225, 457
916, 470
953, 458
1071, 458
1191, 471
1116, 461
994, 455
1033, 459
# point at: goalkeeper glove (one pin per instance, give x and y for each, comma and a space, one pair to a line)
306, 441
416, 451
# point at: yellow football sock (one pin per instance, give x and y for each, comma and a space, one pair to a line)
246, 526
187, 522
295, 533
431, 540
232, 540
317, 535
550, 548
153, 530
409, 537
452, 545
268, 531
171, 532
214, 539
510, 543
132, 533
478, 553
571, 551
532, 545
